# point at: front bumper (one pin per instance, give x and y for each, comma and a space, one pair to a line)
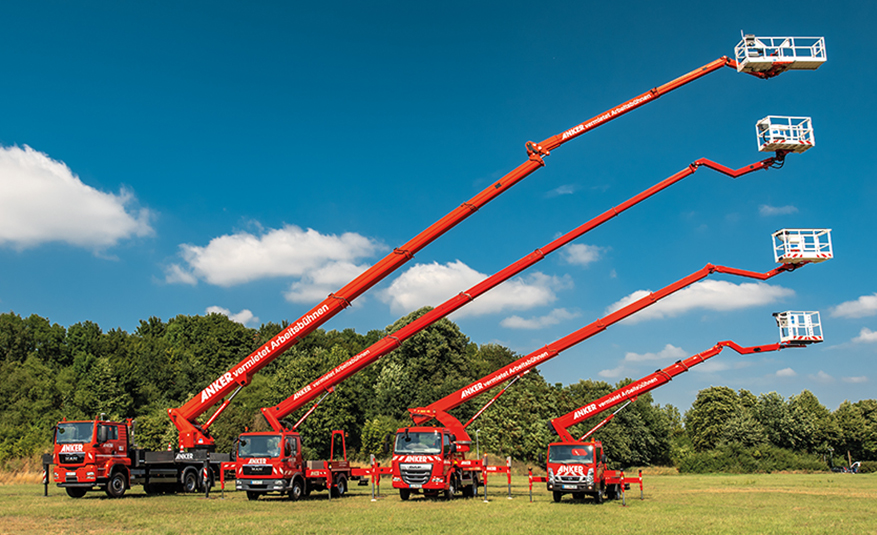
262, 485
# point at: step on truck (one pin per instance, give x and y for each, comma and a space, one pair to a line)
272, 463
100, 455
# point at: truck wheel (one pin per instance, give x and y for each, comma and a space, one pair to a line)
612, 493
558, 496
297, 490
598, 498
76, 492
116, 485
451, 491
253, 496
404, 494
190, 481
472, 490
340, 487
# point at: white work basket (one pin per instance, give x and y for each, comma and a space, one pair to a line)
797, 245
799, 327
776, 132
761, 54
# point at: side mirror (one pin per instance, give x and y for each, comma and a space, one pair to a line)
603, 458
453, 448
287, 449
102, 433
540, 460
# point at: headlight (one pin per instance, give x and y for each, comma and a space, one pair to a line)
550, 475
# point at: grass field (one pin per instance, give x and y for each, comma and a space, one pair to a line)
673, 504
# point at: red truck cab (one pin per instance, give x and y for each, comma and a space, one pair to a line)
271, 463
89, 454
579, 468
429, 460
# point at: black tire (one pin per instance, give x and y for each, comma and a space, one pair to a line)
339, 489
558, 496
117, 485
612, 492
471, 491
76, 492
253, 496
598, 497
297, 490
404, 494
189, 482
451, 491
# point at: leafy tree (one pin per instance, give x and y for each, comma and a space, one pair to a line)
705, 420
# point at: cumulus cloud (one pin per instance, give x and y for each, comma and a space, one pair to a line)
866, 336
613, 373
42, 200
821, 377
786, 372
581, 254
556, 316
864, 306
860, 379
433, 284
286, 252
316, 285
705, 295
767, 210
244, 317
670, 353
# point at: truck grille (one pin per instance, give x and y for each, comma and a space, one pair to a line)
415, 474
71, 458
257, 470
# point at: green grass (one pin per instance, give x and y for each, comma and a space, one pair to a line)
673, 504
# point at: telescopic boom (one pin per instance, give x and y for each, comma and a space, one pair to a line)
229, 383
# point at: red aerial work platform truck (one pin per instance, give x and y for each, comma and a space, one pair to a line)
579, 466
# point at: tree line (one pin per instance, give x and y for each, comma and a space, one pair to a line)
79, 372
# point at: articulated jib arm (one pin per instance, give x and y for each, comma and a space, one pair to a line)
274, 415
184, 418
630, 392
423, 414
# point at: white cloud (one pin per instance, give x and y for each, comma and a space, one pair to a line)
670, 353
41, 201
556, 316
866, 336
433, 284
864, 306
821, 377
566, 189
286, 252
786, 372
244, 317
581, 254
612, 373
767, 210
860, 379
318, 284
706, 295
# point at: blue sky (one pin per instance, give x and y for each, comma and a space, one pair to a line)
168, 159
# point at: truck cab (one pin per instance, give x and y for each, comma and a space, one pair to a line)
91, 454
577, 468
431, 461
271, 463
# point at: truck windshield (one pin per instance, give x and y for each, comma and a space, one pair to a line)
571, 453
259, 446
74, 432
425, 443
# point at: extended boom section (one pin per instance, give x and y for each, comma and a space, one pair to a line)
659, 378
275, 414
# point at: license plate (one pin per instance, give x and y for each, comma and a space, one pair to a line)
569, 487
416, 486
